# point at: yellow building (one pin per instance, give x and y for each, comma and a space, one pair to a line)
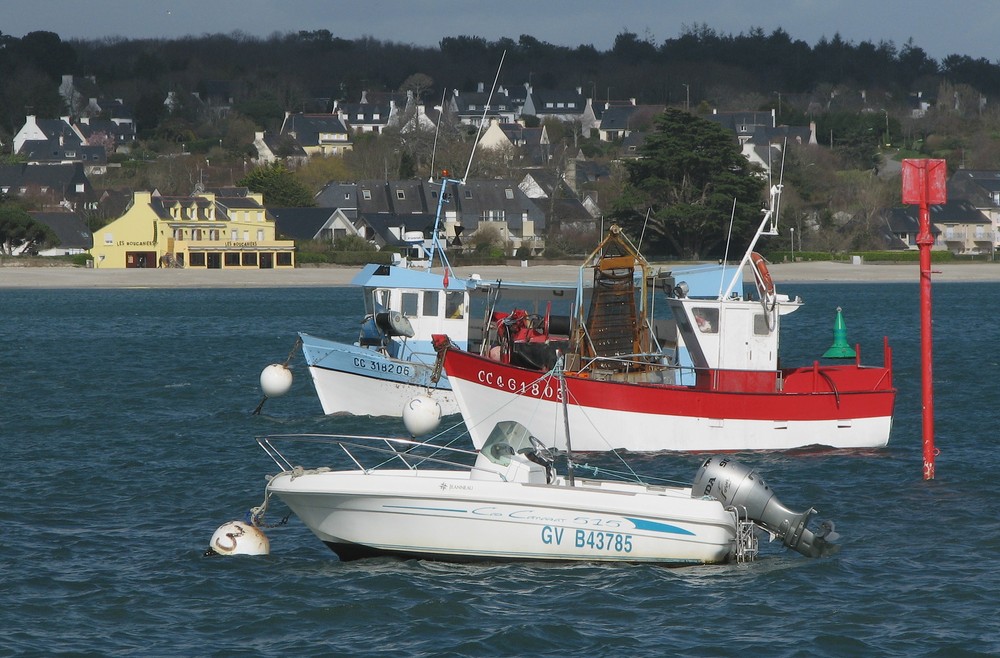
205, 230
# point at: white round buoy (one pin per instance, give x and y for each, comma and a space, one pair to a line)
238, 538
422, 414
275, 380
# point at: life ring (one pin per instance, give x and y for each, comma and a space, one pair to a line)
765, 286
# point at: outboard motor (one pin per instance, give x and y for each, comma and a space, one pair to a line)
736, 485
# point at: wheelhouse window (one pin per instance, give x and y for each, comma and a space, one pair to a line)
380, 301
430, 303
411, 303
454, 305
706, 319
760, 327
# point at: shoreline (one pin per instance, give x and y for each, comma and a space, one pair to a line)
41, 277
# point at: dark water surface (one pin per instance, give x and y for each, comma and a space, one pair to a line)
127, 440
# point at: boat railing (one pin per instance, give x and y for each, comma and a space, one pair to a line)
406, 451
657, 362
421, 356
622, 365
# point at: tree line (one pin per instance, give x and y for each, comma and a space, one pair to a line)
857, 95
308, 70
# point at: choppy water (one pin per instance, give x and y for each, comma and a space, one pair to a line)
127, 439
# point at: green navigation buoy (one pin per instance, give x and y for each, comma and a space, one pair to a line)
840, 348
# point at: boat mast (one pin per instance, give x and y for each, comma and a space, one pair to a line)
435, 240
768, 226
769, 222
482, 121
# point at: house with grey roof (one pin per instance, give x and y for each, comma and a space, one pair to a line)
471, 107
561, 105
271, 148
981, 188
956, 226
113, 134
618, 120
528, 146
93, 158
366, 117
60, 131
562, 207
88, 142
400, 232
71, 232
898, 228
760, 138
53, 185
317, 134
499, 203
320, 224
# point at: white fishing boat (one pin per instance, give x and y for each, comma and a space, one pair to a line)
393, 361
507, 501
391, 366
625, 391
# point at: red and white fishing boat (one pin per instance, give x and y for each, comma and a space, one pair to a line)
624, 389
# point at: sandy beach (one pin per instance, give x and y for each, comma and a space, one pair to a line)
783, 273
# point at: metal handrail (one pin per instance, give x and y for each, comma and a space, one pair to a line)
346, 442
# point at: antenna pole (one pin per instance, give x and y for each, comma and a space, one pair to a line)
725, 259
643, 234
483, 120
437, 129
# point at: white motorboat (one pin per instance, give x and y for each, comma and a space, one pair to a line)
422, 500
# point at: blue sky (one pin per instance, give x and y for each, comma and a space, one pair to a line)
964, 27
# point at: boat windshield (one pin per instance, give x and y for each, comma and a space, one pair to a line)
507, 437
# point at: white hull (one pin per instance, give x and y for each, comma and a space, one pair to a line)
349, 393
450, 515
350, 379
595, 429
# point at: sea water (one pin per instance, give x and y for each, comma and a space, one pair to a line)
128, 438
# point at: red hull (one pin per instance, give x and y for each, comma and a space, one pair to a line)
844, 399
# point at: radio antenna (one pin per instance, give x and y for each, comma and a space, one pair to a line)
486, 109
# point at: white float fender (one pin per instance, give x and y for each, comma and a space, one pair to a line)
239, 538
276, 380
421, 415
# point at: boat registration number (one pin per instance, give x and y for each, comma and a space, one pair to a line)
532, 388
604, 541
381, 366
597, 540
